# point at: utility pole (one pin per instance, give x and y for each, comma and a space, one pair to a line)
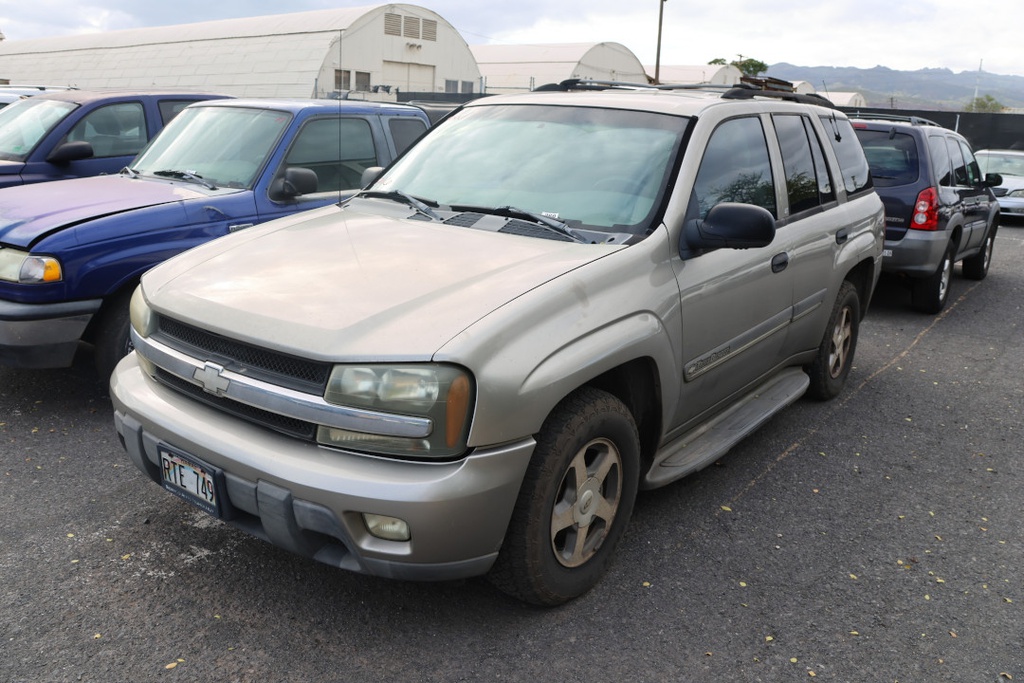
657, 57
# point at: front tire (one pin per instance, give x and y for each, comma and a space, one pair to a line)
832, 363
575, 501
113, 340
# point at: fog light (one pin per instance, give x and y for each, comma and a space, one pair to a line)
388, 528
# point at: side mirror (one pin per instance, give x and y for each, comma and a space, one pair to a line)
729, 225
296, 181
993, 179
370, 174
70, 151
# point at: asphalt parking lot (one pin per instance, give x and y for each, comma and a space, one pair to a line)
878, 537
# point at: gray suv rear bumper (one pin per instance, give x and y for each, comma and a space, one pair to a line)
918, 254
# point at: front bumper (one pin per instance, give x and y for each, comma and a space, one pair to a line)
310, 499
43, 335
1011, 206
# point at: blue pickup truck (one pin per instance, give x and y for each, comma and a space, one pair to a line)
60, 134
72, 251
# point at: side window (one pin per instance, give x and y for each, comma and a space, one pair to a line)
973, 170
807, 181
736, 167
852, 164
940, 160
337, 150
113, 131
171, 108
404, 131
959, 165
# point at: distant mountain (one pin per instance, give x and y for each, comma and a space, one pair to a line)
934, 89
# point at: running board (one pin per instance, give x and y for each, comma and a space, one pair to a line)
708, 442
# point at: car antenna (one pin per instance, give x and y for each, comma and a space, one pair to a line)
832, 116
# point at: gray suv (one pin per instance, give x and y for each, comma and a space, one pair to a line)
551, 301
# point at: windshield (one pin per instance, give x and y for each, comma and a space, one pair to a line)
600, 169
224, 146
24, 123
1004, 164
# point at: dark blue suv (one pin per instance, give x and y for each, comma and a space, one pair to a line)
78, 133
939, 209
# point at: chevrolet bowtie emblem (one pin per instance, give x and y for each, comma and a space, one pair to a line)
210, 377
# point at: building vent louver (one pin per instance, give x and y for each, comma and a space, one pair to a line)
430, 30
392, 24
411, 27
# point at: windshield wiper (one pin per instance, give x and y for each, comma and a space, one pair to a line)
187, 175
398, 196
552, 224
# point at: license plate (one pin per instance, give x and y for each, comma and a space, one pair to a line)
886, 253
192, 480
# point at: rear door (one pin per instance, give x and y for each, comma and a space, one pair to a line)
977, 198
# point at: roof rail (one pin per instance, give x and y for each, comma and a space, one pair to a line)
913, 120
741, 91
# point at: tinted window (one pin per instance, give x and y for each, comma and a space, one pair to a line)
960, 176
852, 164
940, 160
736, 168
404, 131
893, 157
337, 150
806, 178
113, 131
973, 171
171, 108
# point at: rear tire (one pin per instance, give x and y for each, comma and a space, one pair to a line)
832, 364
976, 267
575, 501
929, 294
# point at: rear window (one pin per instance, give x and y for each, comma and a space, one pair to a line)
850, 154
893, 157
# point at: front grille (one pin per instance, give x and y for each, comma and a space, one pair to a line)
271, 366
286, 425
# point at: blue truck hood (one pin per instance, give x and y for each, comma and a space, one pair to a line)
29, 212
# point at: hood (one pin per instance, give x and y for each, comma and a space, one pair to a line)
29, 212
337, 284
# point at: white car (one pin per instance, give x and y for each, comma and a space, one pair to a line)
1010, 165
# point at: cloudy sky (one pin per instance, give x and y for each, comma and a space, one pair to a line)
863, 33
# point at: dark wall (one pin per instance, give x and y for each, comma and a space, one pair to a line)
983, 131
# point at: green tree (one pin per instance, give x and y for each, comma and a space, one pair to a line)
747, 65
986, 104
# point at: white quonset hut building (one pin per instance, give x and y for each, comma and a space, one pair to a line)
697, 74
382, 48
515, 68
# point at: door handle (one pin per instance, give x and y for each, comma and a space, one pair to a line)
842, 235
779, 262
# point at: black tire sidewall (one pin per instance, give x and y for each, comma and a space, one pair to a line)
527, 566
823, 386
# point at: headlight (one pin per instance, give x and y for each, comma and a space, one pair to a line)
141, 314
441, 393
1017, 194
21, 266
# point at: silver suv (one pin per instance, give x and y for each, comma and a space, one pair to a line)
551, 301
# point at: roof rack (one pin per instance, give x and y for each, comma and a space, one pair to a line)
740, 91
913, 120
